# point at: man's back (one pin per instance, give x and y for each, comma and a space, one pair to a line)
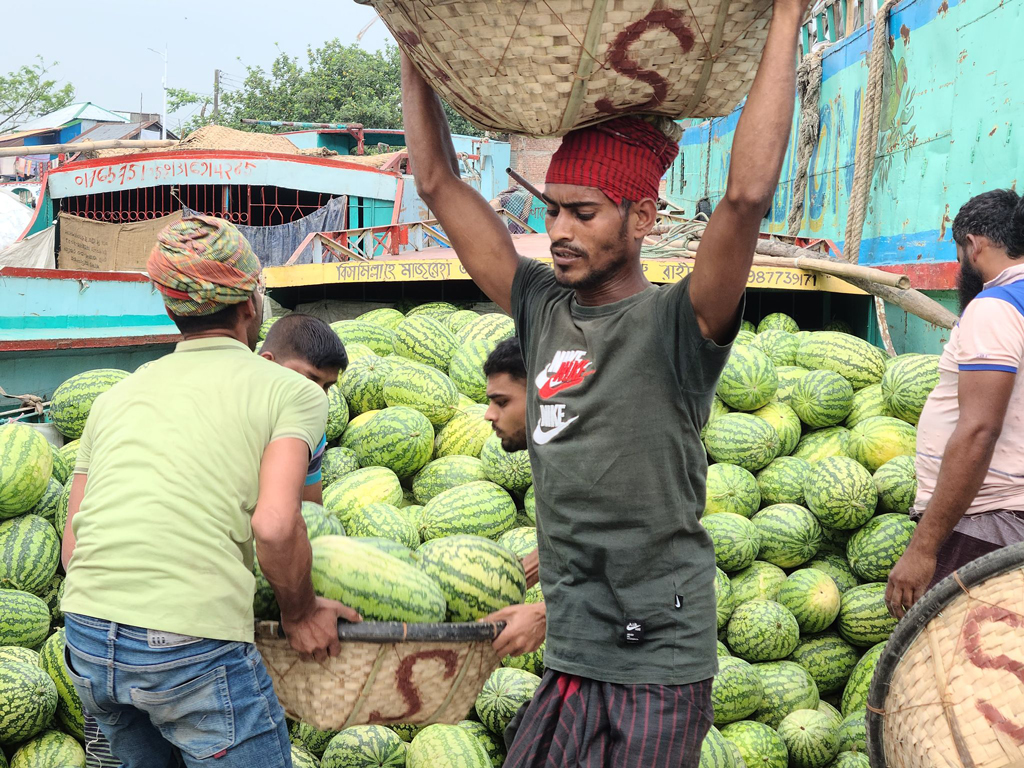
172, 456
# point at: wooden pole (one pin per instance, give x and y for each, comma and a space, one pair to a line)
87, 146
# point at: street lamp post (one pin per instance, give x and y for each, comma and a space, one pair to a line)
163, 117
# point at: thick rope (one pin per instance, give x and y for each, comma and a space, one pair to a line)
808, 86
867, 137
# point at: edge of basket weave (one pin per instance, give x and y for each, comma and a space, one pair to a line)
588, 59
909, 629
713, 48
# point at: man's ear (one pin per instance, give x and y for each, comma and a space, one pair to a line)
268, 355
645, 215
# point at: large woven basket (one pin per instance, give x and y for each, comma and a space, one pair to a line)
386, 673
544, 67
949, 687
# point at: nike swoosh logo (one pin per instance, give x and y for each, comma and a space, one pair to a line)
547, 391
540, 437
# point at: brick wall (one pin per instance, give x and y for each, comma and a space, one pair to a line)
531, 157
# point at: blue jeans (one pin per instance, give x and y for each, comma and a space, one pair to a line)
166, 700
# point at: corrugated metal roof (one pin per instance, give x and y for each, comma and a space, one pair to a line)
108, 131
84, 110
17, 137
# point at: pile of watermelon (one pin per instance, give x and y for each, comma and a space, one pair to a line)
811, 445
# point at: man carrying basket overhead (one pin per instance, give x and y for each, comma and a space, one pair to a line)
621, 377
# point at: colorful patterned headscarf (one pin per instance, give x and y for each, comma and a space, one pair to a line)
625, 158
202, 264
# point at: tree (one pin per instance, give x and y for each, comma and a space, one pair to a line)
27, 92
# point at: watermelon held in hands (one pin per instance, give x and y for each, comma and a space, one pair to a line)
477, 576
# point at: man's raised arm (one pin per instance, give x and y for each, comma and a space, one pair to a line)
476, 232
726, 250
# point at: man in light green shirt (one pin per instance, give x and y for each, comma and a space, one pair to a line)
181, 467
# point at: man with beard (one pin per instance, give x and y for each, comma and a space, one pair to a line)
972, 503
621, 376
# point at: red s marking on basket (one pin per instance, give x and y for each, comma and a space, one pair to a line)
406, 686
971, 636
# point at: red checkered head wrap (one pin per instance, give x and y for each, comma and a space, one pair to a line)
625, 158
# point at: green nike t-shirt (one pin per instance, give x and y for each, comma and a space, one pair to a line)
617, 396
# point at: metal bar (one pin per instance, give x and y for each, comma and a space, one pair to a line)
86, 146
292, 124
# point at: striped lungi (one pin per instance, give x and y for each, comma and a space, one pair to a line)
573, 721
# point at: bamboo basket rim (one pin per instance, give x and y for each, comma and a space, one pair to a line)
382, 632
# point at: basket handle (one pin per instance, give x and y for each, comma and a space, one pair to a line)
397, 632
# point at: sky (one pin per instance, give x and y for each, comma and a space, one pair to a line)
103, 47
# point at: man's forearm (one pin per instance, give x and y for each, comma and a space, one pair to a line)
428, 138
285, 558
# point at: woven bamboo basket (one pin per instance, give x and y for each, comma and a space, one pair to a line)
545, 67
386, 673
949, 687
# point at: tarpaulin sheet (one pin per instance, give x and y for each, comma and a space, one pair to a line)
35, 252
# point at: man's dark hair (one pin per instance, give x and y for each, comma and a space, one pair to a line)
308, 338
507, 357
997, 215
222, 319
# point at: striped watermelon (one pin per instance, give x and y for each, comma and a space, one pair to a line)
69, 706
387, 317
264, 328
828, 659
748, 380
390, 546
838, 568
811, 738
715, 752
399, 438
362, 487
723, 649
780, 346
365, 746
731, 488
787, 688
17, 653
833, 714
857, 361
833, 542
812, 597
493, 745
519, 541
383, 521
742, 439
467, 369
52, 596
853, 733
867, 402
748, 327
47, 506
24, 619
777, 321
725, 603
51, 749
456, 321
60, 517
465, 434
822, 399
789, 534
896, 483
312, 739
875, 441
863, 618
439, 310
530, 505
493, 327
782, 481
760, 581
380, 587
875, 548
70, 453
425, 340
445, 473
337, 463
758, 745
426, 389
718, 408
505, 691
786, 424
788, 375
29, 554
838, 324
480, 508
532, 662
264, 599
355, 430
822, 443
303, 758
851, 760
841, 493
28, 701
358, 352
907, 384
320, 522
477, 576
26, 464
362, 384
509, 470
337, 413
737, 756
62, 468
736, 540
855, 694
72, 400
407, 731
762, 630
447, 746
375, 336
736, 692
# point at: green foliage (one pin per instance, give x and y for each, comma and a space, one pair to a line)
27, 92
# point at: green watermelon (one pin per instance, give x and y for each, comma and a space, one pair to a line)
782, 481
70, 453
387, 317
399, 438
779, 345
896, 483
358, 352
360, 488
407, 731
762, 630
851, 760
505, 691
72, 400
467, 369
509, 470
731, 488
362, 384
736, 540
337, 463
380, 587
479, 508
383, 521
423, 388
492, 744
519, 541
28, 701
312, 739
812, 597
857, 361
17, 653
863, 617
855, 694
834, 715
838, 324
867, 402
742, 439
530, 506
785, 422
445, 473
531, 662
875, 441
24, 619
439, 310
777, 321
748, 327
822, 443
907, 384
60, 517
390, 546
833, 542
26, 464
476, 575
875, 548
822, 399
828, 659
62, 468
760, 581
456, 321
725, 603
493, 327
47, 506
465, 434
303, 758
375, 336
789, 534
759, 745
718, 408
423, 339
29, 554
365, 746
748, 380
853, 733
810, 737
52, 596
447, 746
788, 375
787, 688
337, 413
838, 568
264, 599
69, 706
264, 328
841, 493
356, 428
715, 752
736, 692
50, 749
723, 649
